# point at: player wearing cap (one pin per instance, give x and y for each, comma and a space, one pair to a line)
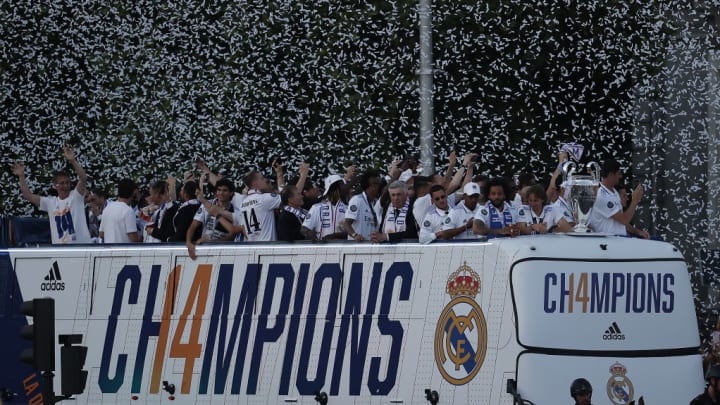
607, 214
257, 213
497, 217
324, 220
462, 216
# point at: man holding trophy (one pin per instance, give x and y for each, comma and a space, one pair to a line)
607, 215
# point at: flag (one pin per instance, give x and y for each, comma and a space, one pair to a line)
574, 149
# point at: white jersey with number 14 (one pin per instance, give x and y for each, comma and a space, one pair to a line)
258, 217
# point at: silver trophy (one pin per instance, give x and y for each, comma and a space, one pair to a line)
581, 192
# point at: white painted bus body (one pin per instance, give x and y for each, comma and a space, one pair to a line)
364, 323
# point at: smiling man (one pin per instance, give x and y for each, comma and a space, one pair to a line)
67, 209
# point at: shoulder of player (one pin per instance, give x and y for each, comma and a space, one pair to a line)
355, 199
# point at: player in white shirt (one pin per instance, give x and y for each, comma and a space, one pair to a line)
536, 217
325, 219
497, 217
208, 216
423, 201
607, 214
524, 181
258, 209
439, 215
361, 217
118, 223
463, 215
564, 221
66, 211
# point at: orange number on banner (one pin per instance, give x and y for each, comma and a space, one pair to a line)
582, 291
197, 298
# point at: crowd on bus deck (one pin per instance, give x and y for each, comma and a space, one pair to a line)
370, 206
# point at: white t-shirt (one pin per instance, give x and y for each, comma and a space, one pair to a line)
361, 211
117, 221
258, 216
607, 204
237, 201
67, 218
424, 204
325, 218
433, 222
421, 206
459, 216
517, 201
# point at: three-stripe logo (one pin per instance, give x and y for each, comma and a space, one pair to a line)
53, 280
613, 332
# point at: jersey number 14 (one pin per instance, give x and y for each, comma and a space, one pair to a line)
251, 224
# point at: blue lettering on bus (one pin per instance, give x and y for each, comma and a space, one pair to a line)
305, 384
227, 339
609, 292
293, 329
403, 271
265, 334
149, 328
128, 274
359, 340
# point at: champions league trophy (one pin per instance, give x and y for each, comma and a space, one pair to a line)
581, 191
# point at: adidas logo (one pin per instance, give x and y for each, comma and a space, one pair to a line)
53, 280
613, 333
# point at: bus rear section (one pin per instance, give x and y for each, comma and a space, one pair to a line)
616, 311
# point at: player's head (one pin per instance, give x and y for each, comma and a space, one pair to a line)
611, 171
62, 183
496, 190
581, 391
439, 196
127, 189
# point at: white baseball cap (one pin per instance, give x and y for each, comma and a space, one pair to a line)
330, 180
471, 189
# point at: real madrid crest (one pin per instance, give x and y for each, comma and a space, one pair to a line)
461, 332
619, 388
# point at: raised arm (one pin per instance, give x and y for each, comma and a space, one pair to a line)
19, 170
463, 175
212, 177
279, 174
447, 180
552, 186
212, 209
69, 155
626, 216
304, 171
